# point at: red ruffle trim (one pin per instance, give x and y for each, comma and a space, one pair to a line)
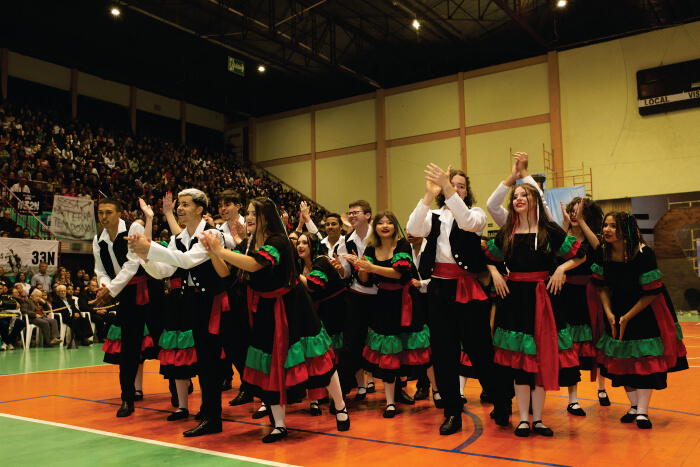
491, 257
464, 359
639, 366
294, 376
401, 262
585, 349
112, 347
317, 394
147, 342
267, 256
574, 249
568, 358
178, 357
653, 285
411, 357
317, 281
520, 361
223, 354
598, 276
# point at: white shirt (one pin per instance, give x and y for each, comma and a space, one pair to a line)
226, 231
494, 205
124, 273
361, 244
313, 230
416, 261
18, 189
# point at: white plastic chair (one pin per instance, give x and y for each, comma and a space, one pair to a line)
86, 314
26, 333
62, 327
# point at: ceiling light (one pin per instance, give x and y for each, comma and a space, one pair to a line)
416, 24
261, 68
115, 11
561, 3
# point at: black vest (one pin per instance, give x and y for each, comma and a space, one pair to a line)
466, 249
120, 248
204, 276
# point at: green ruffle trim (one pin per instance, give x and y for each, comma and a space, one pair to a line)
319, 274
582, 333
631, 349
176, 340
400, 256
390, 345
145, 330
679, 331
114, 333
307, 347
525, 343
369, 258
272, 251
237, 251
337, 341
650, 276
564, 338
494, 250
566, 246
597, 269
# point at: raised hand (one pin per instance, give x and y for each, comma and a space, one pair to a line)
567, 219
431, 188
285, 219
209, 220
305, 211
438, 176
146, 209
168, 202
522, 159
337, 265
139, 244
241, 231
210, 242
345, 221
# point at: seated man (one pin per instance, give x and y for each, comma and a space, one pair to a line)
80, 326
9, 303
36, 308
101, 317
6, 222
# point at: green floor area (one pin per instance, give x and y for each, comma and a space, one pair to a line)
48, 358
58, 446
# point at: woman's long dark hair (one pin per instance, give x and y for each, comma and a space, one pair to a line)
374, 239
627, 229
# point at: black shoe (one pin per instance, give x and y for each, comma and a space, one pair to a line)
403, 398
603, 399
451, 425
421, 394
575, 411
439, 403
342, 425
523, 429
206, 427
370, 388
485, 398
181, 414
315, 410
138, 395
258, 414
501, 415
199, 416
464, 400
361, 395
272, 437
126, 409
390, 413
630, 417
227, 384
242, 398
541, 429
644, 423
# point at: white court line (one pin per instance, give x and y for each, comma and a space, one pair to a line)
148, 441
62, 369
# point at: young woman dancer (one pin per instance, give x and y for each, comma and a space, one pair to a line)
289, 348
398, 342
529, 337
642, 340
583, 219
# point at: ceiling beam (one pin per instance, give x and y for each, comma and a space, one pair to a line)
523, 24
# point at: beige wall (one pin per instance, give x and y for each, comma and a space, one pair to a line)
285, 137
38, 71
422, 111
342, 179
150, 102
346, 126
297, 175
204, 117
98, 88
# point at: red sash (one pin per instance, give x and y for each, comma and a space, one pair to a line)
667, 328
141, 283
406, 301
468, 288
333, 295
220, 304
280, 347
546, 338
175, 283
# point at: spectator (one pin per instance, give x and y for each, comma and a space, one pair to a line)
80, 326
22, 280
4, 279
36, 308
42, 278
6, 222
9, 302
101, 317
21, 186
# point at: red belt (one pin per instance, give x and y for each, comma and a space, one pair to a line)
406, 302
175, 283
220, 304
468, 288
546, 338
280, 346
141, 283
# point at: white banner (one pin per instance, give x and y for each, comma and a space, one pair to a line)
683, 96
24, 255
73, 218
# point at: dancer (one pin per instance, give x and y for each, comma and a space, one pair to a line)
530, 338
459, 309
140, 300
203, 293
643, 339
398, 342
583, 217
289, 348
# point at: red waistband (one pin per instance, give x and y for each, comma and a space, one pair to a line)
468, 288
528, 276
175, 283
450, 271
141, 283
579, 279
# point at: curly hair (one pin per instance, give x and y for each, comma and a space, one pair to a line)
592, 213
469, 199
626, 229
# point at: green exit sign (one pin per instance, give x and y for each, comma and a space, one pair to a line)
236, 66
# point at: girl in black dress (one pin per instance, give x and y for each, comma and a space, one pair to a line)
642, 340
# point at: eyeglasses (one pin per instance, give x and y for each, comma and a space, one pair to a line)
354, 213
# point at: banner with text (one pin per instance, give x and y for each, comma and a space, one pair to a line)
73, 218
24, 255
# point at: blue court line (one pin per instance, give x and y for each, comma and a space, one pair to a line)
478, 431
26, 399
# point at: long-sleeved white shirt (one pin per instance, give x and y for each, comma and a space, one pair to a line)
226, 231
123, 273
416, 261
361, 244
494, 205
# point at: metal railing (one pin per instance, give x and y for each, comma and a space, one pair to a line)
572, 177
8, 197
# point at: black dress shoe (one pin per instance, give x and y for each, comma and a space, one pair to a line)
501, 415
402, 398
523, 430
342, 425
258, 414
315, 410
361, 394
272, 437
126, 409
243, 397
464, 400
578, 411
439, 403
181, 414
539, 428
630, 417
643, 421
138, 395
603, 398
390, 411
227, 384
451, 425
206, 427
421, 394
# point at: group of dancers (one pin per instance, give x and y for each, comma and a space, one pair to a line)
299, 314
